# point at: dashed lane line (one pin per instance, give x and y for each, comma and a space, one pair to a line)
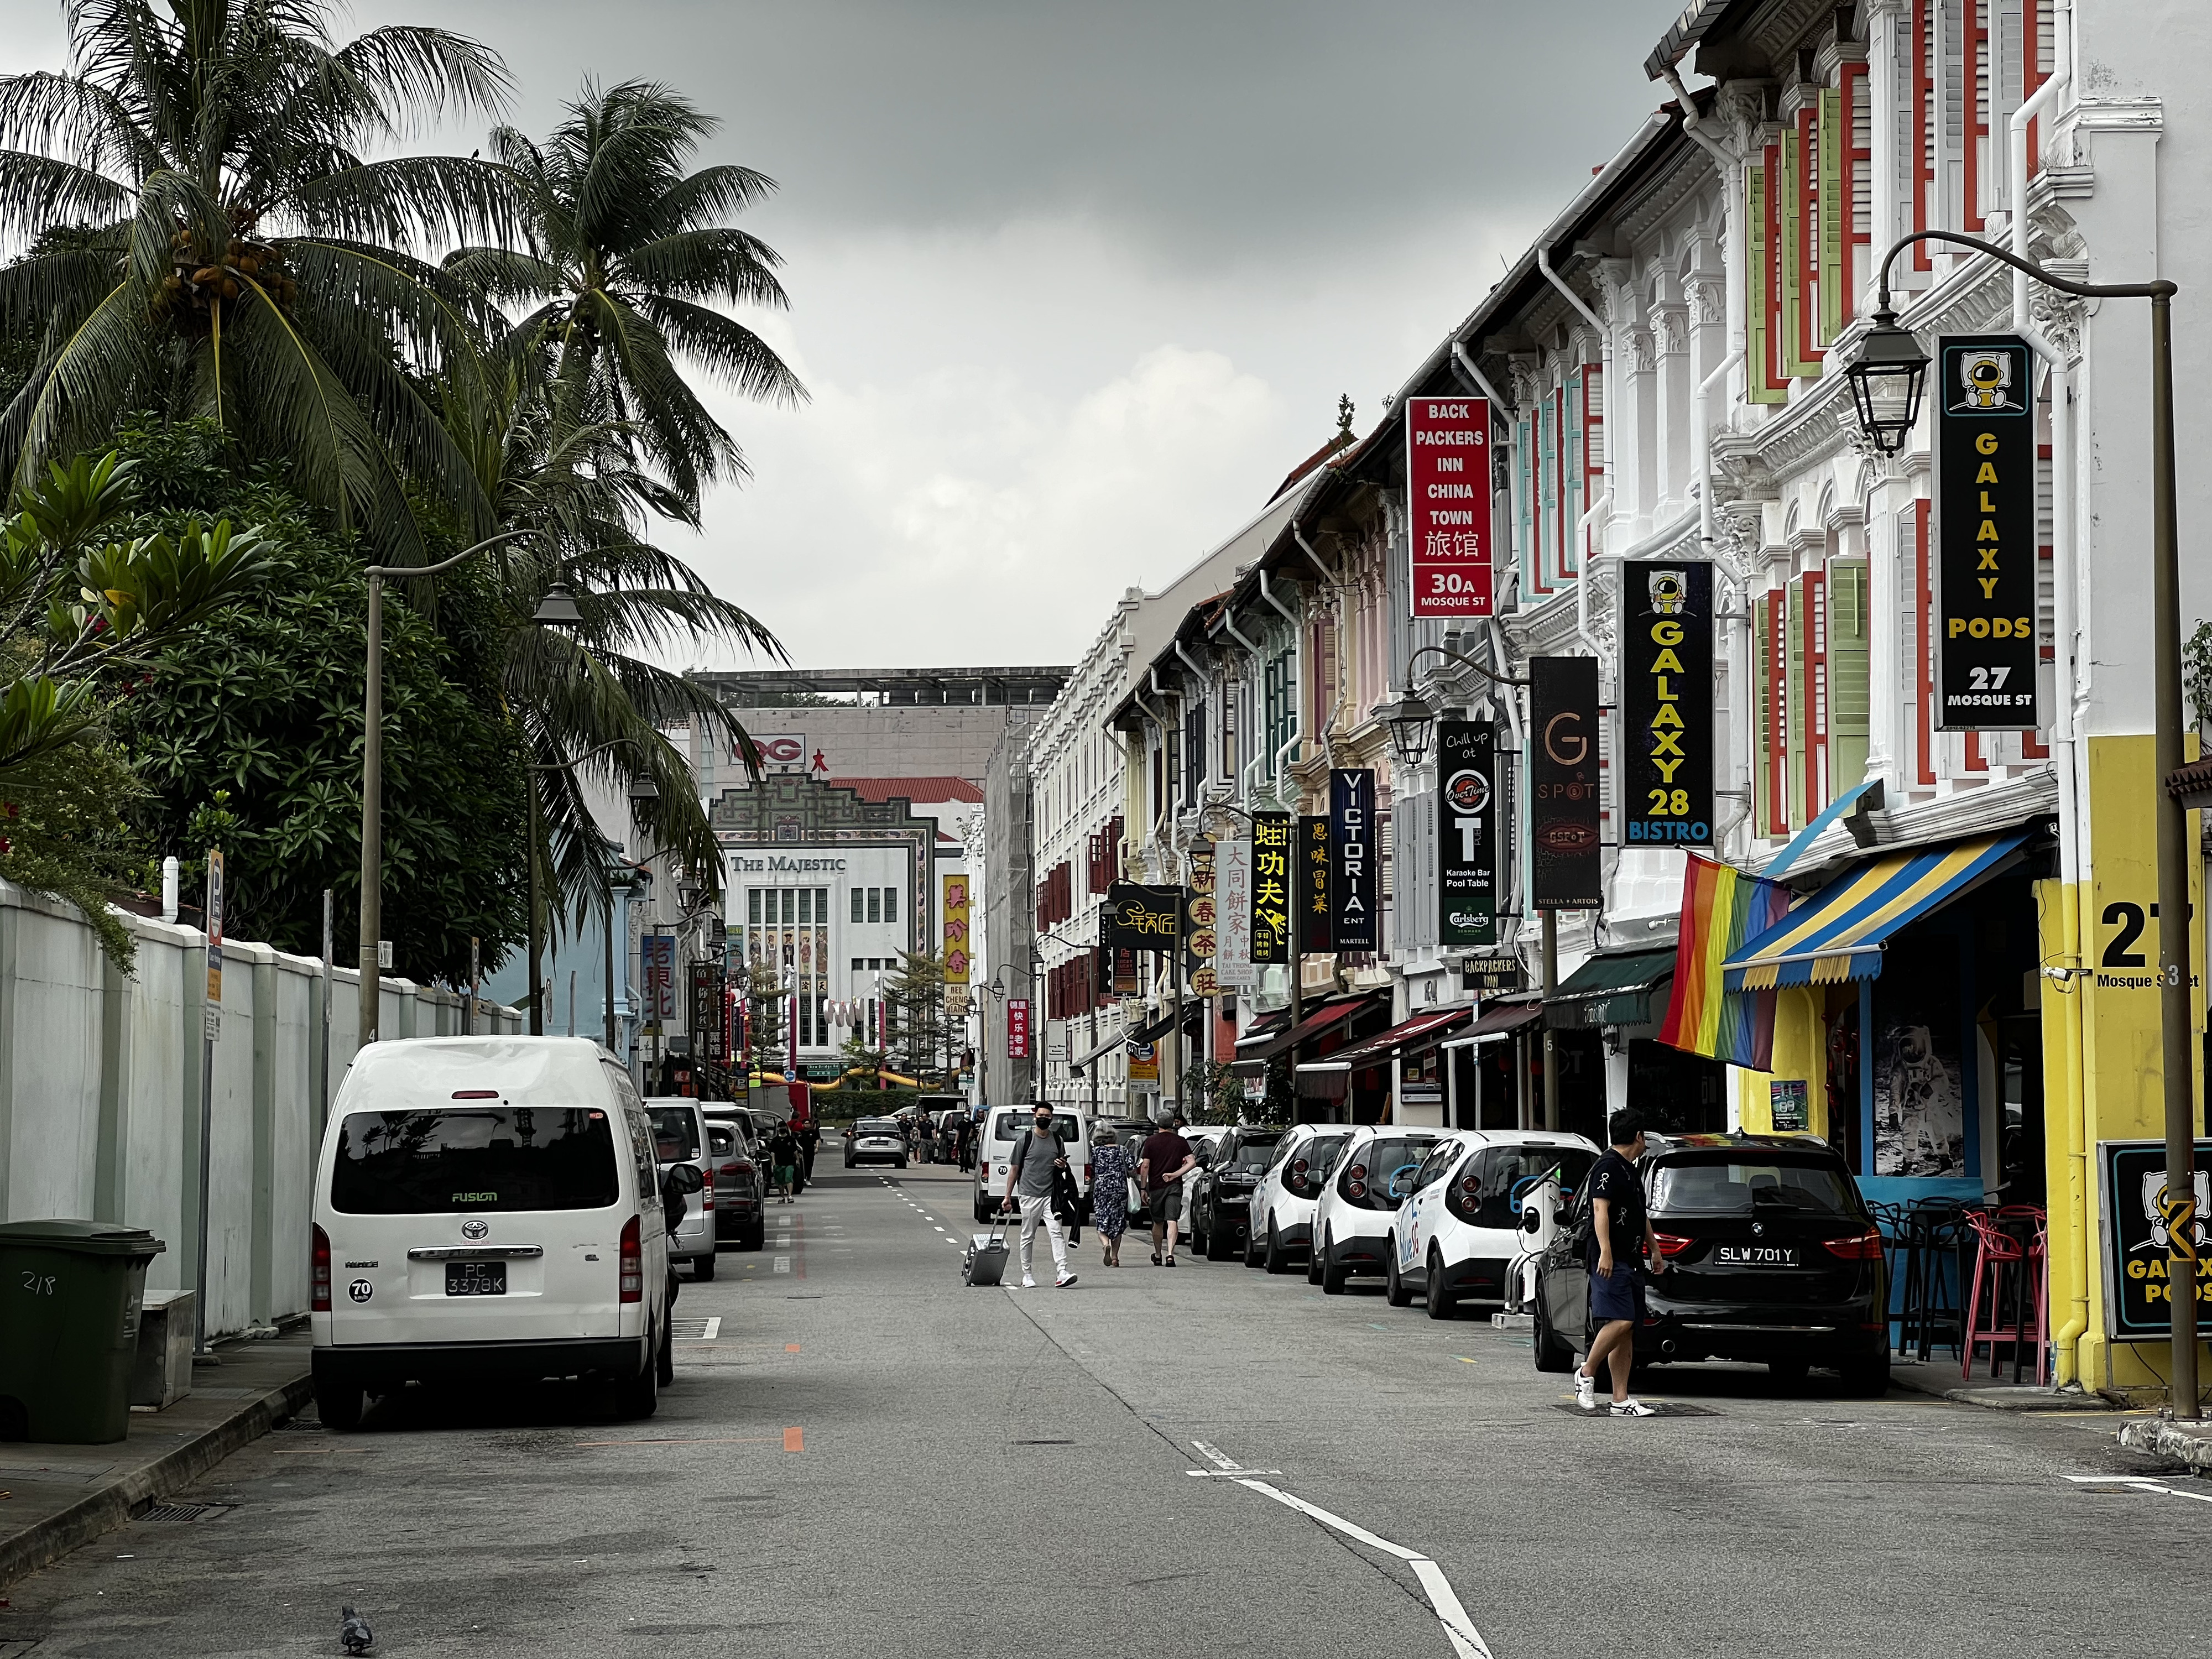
1459, 1630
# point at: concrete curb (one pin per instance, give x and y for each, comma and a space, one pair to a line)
2187, 1442
47, 1540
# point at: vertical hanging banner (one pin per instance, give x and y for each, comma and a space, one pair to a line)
1667, 704
1235, 907
1448, 505
1018, 1028
1467, 832
1202, 933
1352, 860
1986, 533
1316, 931
1272, 885
1563, 873
955, 930
212, 1019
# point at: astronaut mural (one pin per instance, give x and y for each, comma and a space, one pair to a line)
1919, 1094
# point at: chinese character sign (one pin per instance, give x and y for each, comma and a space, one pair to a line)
1018, 1028
1448, 505
1271, 886
657, 957
1312, 886
955, 930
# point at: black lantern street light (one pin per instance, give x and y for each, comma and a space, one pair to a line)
1887, 382
1411, 725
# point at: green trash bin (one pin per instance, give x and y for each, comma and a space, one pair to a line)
70, 1296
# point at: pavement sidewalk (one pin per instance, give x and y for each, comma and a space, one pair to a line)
53, 1498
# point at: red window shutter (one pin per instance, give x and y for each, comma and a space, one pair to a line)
1977, 94
1808, 234
1594, 442
1858, 148
1813, 718
1925, 669
1778, 344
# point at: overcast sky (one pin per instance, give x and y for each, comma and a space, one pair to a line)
1073, 285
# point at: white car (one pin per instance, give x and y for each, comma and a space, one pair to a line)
1282, 1206
488, 1210
1001, 1132
1352, 1222
1457, 1236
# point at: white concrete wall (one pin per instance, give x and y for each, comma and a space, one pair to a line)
99, 1093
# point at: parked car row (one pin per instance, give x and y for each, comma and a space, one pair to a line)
1770, 1253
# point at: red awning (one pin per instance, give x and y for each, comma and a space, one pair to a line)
1503, 1019
1407, 1034
1313, 1024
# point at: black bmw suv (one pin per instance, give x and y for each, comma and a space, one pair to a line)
1771, 1256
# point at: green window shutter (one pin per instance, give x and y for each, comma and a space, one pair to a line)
1757, 267
1835, 205
1795, 721
1761, 716
1848, 702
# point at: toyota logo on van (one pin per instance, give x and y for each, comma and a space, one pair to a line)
474, 1229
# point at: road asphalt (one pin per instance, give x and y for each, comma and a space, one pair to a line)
866, 1457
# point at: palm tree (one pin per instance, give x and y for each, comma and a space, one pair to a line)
208, 235
591, 704
629, 255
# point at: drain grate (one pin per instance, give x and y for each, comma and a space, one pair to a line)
1043, 1443
185, 1511
299, 1426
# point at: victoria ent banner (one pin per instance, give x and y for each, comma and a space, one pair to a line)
1352, 860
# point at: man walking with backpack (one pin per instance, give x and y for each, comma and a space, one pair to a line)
1620, 1232
1036, 1176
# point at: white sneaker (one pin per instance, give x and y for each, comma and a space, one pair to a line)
1632, 1407
1063, 1281
1028, 1283
1585, 1390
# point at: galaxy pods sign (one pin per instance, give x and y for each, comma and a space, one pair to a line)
1985, 530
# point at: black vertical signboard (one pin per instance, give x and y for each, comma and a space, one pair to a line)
1316, 932
1352, 857
1467, 832
1985, 529
1271, 887
1563, 778
1667, 704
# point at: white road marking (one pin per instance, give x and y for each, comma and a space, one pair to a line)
713, 1328
2138, 1485
783, 1264
1466, 1642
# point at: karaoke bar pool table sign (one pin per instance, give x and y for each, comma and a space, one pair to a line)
1985, 461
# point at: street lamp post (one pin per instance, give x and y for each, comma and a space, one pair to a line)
372, 782
1887, 380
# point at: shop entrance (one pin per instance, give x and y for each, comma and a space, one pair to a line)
1679, 1093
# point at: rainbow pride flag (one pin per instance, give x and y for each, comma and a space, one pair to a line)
1721, 908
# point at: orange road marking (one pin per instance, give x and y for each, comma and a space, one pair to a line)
791, 1347
679, 1440
794, 1439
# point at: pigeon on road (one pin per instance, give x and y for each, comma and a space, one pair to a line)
354, 1634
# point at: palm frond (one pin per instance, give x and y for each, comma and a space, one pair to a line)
707, 265
732, 351
82, 383
694, 201
430, 72
408, 200
38, 191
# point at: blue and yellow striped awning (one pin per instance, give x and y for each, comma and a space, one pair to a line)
1840, 933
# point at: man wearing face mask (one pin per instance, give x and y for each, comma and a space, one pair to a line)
1039, 1163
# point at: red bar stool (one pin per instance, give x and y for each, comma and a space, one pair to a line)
1995, 1251
2034, 1225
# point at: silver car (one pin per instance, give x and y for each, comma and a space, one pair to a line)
876, 1141
679, 1136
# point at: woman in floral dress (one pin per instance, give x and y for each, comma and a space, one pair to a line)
1110, 1170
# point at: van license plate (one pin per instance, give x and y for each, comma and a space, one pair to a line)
476, 1279
1757, 1255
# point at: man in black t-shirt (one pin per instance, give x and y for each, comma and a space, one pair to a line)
1621, 1230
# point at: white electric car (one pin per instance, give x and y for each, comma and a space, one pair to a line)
1282, 1206
1458, 1234
1353, 1223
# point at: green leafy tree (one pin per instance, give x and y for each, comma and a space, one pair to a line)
256, 711
920, 1036
764, 1017
629, 256
208, 235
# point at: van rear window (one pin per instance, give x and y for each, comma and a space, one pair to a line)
478, 1157
675, 1133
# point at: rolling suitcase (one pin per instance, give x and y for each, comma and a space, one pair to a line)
984, 1260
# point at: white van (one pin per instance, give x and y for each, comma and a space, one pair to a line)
1003, 1128
488, 1208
